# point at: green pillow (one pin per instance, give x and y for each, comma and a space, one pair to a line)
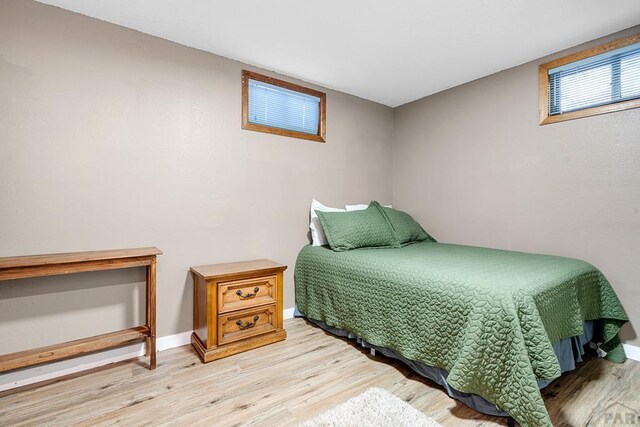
406, 229
366, 228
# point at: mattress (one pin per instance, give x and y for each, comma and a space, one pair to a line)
487, 317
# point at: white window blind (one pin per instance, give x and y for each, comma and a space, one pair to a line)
275, 106
599, 80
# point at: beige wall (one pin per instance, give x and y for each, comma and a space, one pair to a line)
110, 138
473, 165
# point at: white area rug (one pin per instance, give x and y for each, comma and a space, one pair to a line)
375, 407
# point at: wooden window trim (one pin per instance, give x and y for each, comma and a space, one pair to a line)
319, 137
543, 77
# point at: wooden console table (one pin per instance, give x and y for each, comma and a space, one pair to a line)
22, 267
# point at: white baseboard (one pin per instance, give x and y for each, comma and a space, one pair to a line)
173, 341
287, 313
633, 352
53, 370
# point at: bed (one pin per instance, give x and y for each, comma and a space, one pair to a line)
490, 323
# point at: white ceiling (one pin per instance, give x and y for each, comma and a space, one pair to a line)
391, 52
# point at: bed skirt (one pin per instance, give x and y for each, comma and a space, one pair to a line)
569, 352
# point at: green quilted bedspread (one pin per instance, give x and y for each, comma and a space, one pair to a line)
486, 316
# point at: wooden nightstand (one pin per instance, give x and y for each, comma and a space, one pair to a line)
236, 307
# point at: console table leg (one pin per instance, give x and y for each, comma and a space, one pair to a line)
152, 346
151, 313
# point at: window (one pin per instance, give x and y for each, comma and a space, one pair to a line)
275, 106
596, 81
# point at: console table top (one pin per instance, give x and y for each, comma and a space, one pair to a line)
76, 257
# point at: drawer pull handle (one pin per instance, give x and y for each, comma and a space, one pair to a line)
248, 296
247, 325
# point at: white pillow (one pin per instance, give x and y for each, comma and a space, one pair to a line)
360, 207
317, 233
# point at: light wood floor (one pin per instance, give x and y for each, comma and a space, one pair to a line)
283, 384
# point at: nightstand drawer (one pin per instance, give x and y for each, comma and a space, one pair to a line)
241, 294
246, 323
